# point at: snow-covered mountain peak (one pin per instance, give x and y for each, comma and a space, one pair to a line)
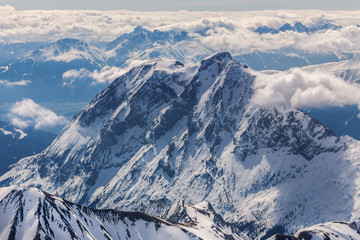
67, 50
142, 44
139, 29
158, 134
65, 44
142, 36
221, 58
147, 85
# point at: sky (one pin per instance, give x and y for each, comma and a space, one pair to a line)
191, 5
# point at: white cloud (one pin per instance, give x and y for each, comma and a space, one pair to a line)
230, 31
299, 89
7, 83
106, 75
72, 75
28, 113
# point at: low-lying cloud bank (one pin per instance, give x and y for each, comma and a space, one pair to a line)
230, 31
27, 113
297, 88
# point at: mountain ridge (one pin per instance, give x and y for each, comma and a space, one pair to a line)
33, 214
165, 132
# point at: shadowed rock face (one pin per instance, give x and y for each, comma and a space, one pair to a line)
164, 132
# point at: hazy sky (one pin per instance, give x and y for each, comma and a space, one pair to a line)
214, 5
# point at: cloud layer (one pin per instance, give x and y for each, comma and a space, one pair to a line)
302, 89
28, 113
230, 31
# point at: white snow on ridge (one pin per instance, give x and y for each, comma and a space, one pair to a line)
28, 213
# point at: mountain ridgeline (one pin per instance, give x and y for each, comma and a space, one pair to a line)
28, 213
164, 132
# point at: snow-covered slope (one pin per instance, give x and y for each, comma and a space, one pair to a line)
28, 213
67, 50
349, 69
202, 220
164, 132
325, 231
284, 59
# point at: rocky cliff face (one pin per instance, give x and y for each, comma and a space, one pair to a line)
165, 132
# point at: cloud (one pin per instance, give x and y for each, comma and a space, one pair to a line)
229, 31
72, 75
105, 75
297, 88
7, 83
28, 113
246, 40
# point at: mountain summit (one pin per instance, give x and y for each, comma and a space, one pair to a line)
164, 132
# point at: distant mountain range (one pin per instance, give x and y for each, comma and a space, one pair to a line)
284, 59
142, 44
164, 132
298, 27
36, 70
